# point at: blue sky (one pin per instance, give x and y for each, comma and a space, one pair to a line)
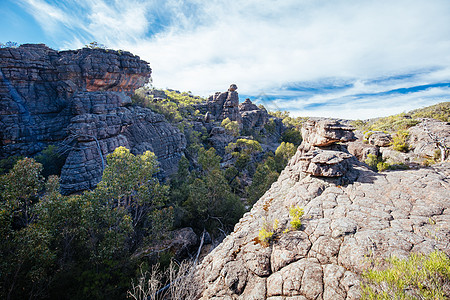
346, 59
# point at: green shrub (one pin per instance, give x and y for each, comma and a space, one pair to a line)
360, 125
440, 111
263, 178
8, 163
283, 154
51, 160
267, 231
382, 166
399, 142
417, 277
393, 123
270, 126
232, 127
293, 136
372, 161
296, 213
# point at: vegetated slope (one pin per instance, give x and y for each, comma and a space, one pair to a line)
250, 142
420, 137
352, 217
440, 112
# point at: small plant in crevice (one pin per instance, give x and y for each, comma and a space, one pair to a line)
267, 231
432, 160
296, 213
378, 164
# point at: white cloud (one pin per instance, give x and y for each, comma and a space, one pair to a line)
49, 17
370, 106
203, 46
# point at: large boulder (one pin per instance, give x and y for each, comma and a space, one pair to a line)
362, 150
321, 133
80, 101
378, 138
253, 117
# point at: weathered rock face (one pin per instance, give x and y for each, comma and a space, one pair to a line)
322, 133
379, 138
361, 150
424, 141
319, 156
219, 139
79, 100
377, 215
252, 116
425, 137
225, 105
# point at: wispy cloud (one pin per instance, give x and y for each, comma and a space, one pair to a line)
294, 50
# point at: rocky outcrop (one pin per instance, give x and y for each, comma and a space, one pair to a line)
318, 155
428, 136
225, 105
219, 139
374, 217
325, 132
378, 138
426, 140
252, 116
362, 150
79, 100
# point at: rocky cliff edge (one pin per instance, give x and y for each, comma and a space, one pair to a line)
352, 217
79, 100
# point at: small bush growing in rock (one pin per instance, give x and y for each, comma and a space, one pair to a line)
9, 44
267, 231
382, 166
378, 164
51, 160
399, 141
95, 45
417, 277
296, 213
372, 161
232, 127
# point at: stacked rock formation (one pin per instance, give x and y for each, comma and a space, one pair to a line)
225, 105
374, 217
319, 155
79, 100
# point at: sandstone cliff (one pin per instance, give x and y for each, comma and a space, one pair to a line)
351, 215
79, 100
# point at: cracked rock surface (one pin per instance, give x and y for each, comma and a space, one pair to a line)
376, 215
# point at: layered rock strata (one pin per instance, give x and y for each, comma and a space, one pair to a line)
319, 155
345, 227
79, 100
